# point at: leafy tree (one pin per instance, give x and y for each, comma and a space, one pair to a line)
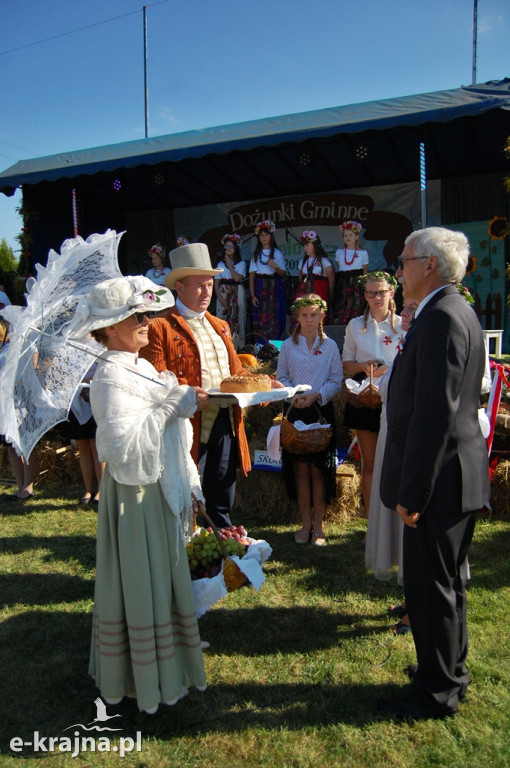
7, 261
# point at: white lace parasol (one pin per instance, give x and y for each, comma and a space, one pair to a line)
42, 372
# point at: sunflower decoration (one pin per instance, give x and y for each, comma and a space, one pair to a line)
471, 265
499, 228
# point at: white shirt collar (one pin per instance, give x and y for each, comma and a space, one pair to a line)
186, 312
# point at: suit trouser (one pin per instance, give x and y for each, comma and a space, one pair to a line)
435, 574
217, 466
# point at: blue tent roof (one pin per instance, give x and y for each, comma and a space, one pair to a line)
399, 114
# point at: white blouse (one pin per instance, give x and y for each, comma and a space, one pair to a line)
143, 427
157, 275
348, 260
319, 366
262, 268
318, 268
240, 268
378, 342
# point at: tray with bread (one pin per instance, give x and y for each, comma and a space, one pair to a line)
252, 390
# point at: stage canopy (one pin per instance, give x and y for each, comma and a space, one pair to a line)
359, 145
464, 131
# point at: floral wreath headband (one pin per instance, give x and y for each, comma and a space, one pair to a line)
354, 226
182, 240
378, 275
158, 250
267, 225
309, 236
236, 239
306, 302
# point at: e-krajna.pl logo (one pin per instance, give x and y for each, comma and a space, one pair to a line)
80, 743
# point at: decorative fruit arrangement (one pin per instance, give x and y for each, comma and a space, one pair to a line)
204, 551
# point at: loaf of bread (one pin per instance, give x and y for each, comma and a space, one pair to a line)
258, 382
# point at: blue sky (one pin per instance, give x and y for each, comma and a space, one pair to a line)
71, 71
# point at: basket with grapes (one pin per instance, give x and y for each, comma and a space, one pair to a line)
211, 550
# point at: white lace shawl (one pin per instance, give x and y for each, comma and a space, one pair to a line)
143, 428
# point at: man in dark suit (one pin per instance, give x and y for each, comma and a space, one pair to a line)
435, 468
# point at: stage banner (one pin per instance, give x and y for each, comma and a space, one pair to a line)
388, 214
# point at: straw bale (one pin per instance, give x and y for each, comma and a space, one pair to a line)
263, 494
500, 490
56, 463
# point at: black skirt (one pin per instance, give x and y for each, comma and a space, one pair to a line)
325, 460
73, 430
362, 418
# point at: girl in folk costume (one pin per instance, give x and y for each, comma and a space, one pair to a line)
229, 288
316, 272
352, 262
371, 340
159, 270
267, 291
310, 357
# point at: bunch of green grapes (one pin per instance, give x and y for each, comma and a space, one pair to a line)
204, 553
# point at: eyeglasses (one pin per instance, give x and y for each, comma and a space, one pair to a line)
140, 317
376, 294
401, 262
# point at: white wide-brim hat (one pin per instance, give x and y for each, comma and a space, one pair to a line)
192, 259
113, 300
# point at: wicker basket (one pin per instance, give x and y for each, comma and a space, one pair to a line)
367, 398
234, 577
304, 441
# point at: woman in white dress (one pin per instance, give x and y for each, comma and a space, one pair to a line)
352, 261
229, 288
383, 548
159, 269
145, 639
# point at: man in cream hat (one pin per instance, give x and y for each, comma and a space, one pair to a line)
198, 348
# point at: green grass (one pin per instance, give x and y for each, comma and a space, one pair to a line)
294, 671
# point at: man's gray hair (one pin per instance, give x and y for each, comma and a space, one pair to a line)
450, 248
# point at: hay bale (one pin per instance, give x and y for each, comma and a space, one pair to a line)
263, 494
500, 490
56, 463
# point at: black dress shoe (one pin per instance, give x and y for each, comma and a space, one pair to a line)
414, 708
412, 670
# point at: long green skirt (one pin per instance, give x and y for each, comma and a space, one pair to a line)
145, 639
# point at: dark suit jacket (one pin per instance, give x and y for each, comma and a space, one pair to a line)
435, 460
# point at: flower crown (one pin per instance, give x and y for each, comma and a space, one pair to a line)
465, 293
305, 301
309, 236
267, 224
182, 240
378, 275
354, 226
157, 249
236, 239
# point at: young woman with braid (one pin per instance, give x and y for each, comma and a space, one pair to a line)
370, 341
310, 357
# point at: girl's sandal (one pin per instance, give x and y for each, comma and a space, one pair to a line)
318, 539
302, 536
